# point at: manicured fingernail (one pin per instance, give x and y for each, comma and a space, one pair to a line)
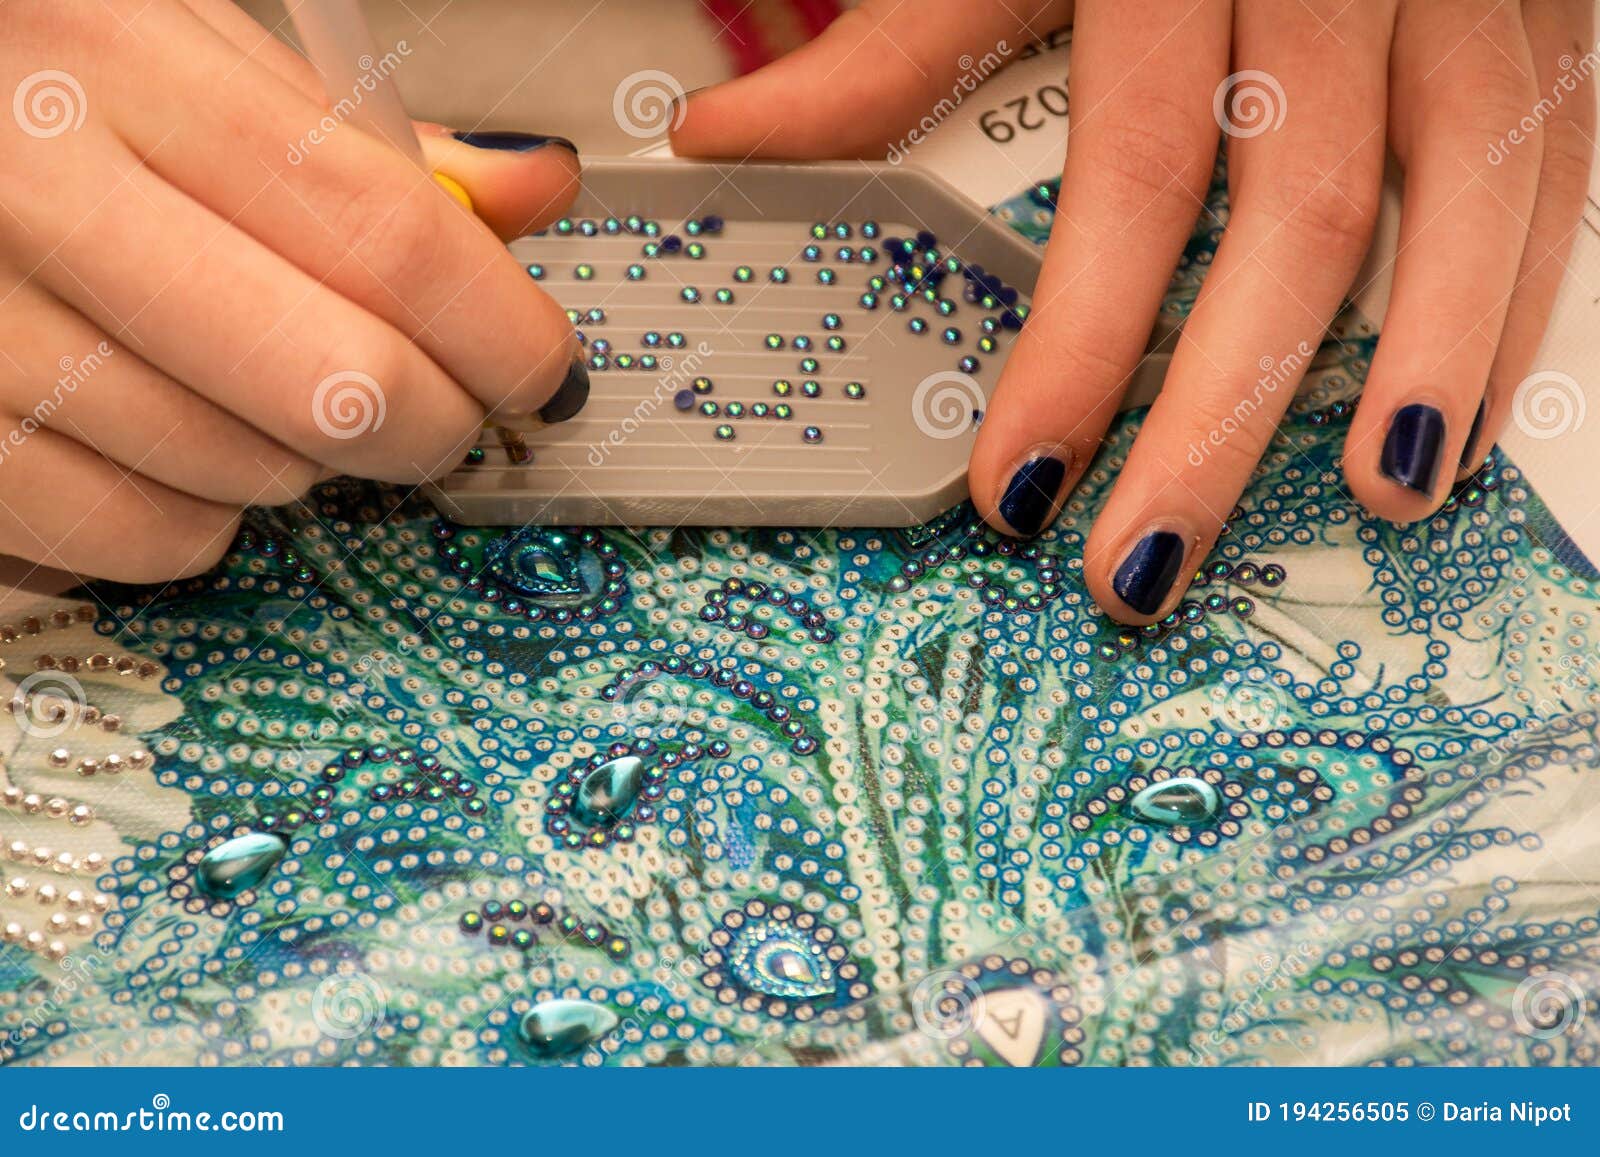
1145, 577
453, 187
1030, 496
569, 399
1411, 448
513, 142
1467, 456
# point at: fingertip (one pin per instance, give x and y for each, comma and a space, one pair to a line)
1140, 576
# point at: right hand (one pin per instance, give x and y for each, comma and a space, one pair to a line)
191, 321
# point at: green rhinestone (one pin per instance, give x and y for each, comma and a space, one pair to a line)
585, 272
725, 433
811, 389
835, 343
743, 273
635, 273
536, 271
782, 411
779, 274
690, 294
782, 388
825, 276
651, 248
710, 409
774, 341
854, 390
695, 250
725, 296
808, 365
702, 385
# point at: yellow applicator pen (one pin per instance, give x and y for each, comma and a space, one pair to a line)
335, 38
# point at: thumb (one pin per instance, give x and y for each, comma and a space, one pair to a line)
515, 182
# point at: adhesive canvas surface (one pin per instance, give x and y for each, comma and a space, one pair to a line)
422, 793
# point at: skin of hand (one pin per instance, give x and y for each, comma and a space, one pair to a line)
214, 293
1485, 104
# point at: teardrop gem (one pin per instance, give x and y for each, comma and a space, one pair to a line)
239, 864
537, 562
777, 960
1177, 801
607, 792
553, 1029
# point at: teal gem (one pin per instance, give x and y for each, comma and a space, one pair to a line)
776, 959
240, 864
537, 562
1177, 801
553, 1029
607, 792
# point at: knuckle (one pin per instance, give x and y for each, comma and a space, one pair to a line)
1330, 208
1567, 160
1151, 148
356, 383
396, 231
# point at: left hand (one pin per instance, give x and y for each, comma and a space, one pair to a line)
1445, 84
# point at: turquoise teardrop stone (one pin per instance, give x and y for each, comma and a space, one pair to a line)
607, 792
558, 1028
537, 562
1177, 801
240, 864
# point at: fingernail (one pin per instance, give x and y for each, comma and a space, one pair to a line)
1411, 448
1467, 457
569, 399
1145, 577
680, 106
512, 142
1030, 496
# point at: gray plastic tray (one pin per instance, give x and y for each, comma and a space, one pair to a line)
895, 456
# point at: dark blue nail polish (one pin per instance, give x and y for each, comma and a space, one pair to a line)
1145, 577
513, 142
569, 399
1411, 448
1467, 456
1030, 496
